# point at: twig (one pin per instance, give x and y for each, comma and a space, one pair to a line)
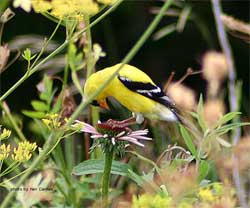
232, 91
170, 78
188, 73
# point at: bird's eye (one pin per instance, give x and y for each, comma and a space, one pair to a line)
95, 103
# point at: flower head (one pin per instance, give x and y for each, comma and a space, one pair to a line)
41, 5
111, 133
215, 66
52, 121
206, 194
4, 134
147, 200
23, 152
182, 96
4, 151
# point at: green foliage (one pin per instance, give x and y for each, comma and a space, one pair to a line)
44, 105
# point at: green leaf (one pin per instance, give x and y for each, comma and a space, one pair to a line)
223, 142
199, 114
203, 169
136, 178
226, 128
226, 118
97, 166
58, 104
27, 54
183, 17
39, 105
188, 140
46, 95
33, 114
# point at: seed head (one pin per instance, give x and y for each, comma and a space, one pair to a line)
182, 96
215, 67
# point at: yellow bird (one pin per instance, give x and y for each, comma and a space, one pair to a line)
133, 89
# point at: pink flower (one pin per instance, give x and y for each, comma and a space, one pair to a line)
114, 131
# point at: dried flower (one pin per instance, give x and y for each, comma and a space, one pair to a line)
4, 151
4, 134
4, 56
23, 152
215, 70
213, 110
215, 66
110, 134
235, 24
182, 96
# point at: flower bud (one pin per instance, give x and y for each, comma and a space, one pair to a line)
215, 67
182, 96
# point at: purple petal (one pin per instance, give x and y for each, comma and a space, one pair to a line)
120, 134
141, 137
87, 128
139, 132
132, 140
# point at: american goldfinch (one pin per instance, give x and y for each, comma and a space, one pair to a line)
133, 89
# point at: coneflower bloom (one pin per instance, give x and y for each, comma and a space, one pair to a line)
113, 131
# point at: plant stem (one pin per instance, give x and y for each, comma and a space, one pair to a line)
234, 106
89, 48
6, 109
106, 176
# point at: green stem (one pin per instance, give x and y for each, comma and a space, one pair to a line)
106, 176
12, 121
46, 44
89, 48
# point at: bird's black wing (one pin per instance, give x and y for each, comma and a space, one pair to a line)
150, 91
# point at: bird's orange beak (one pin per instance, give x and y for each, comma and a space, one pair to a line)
104, 104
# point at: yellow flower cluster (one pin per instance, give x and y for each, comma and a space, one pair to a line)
213, 195
4, 151
52, 121
206, 194
65, 8
148, 201
23, 152
5, 134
